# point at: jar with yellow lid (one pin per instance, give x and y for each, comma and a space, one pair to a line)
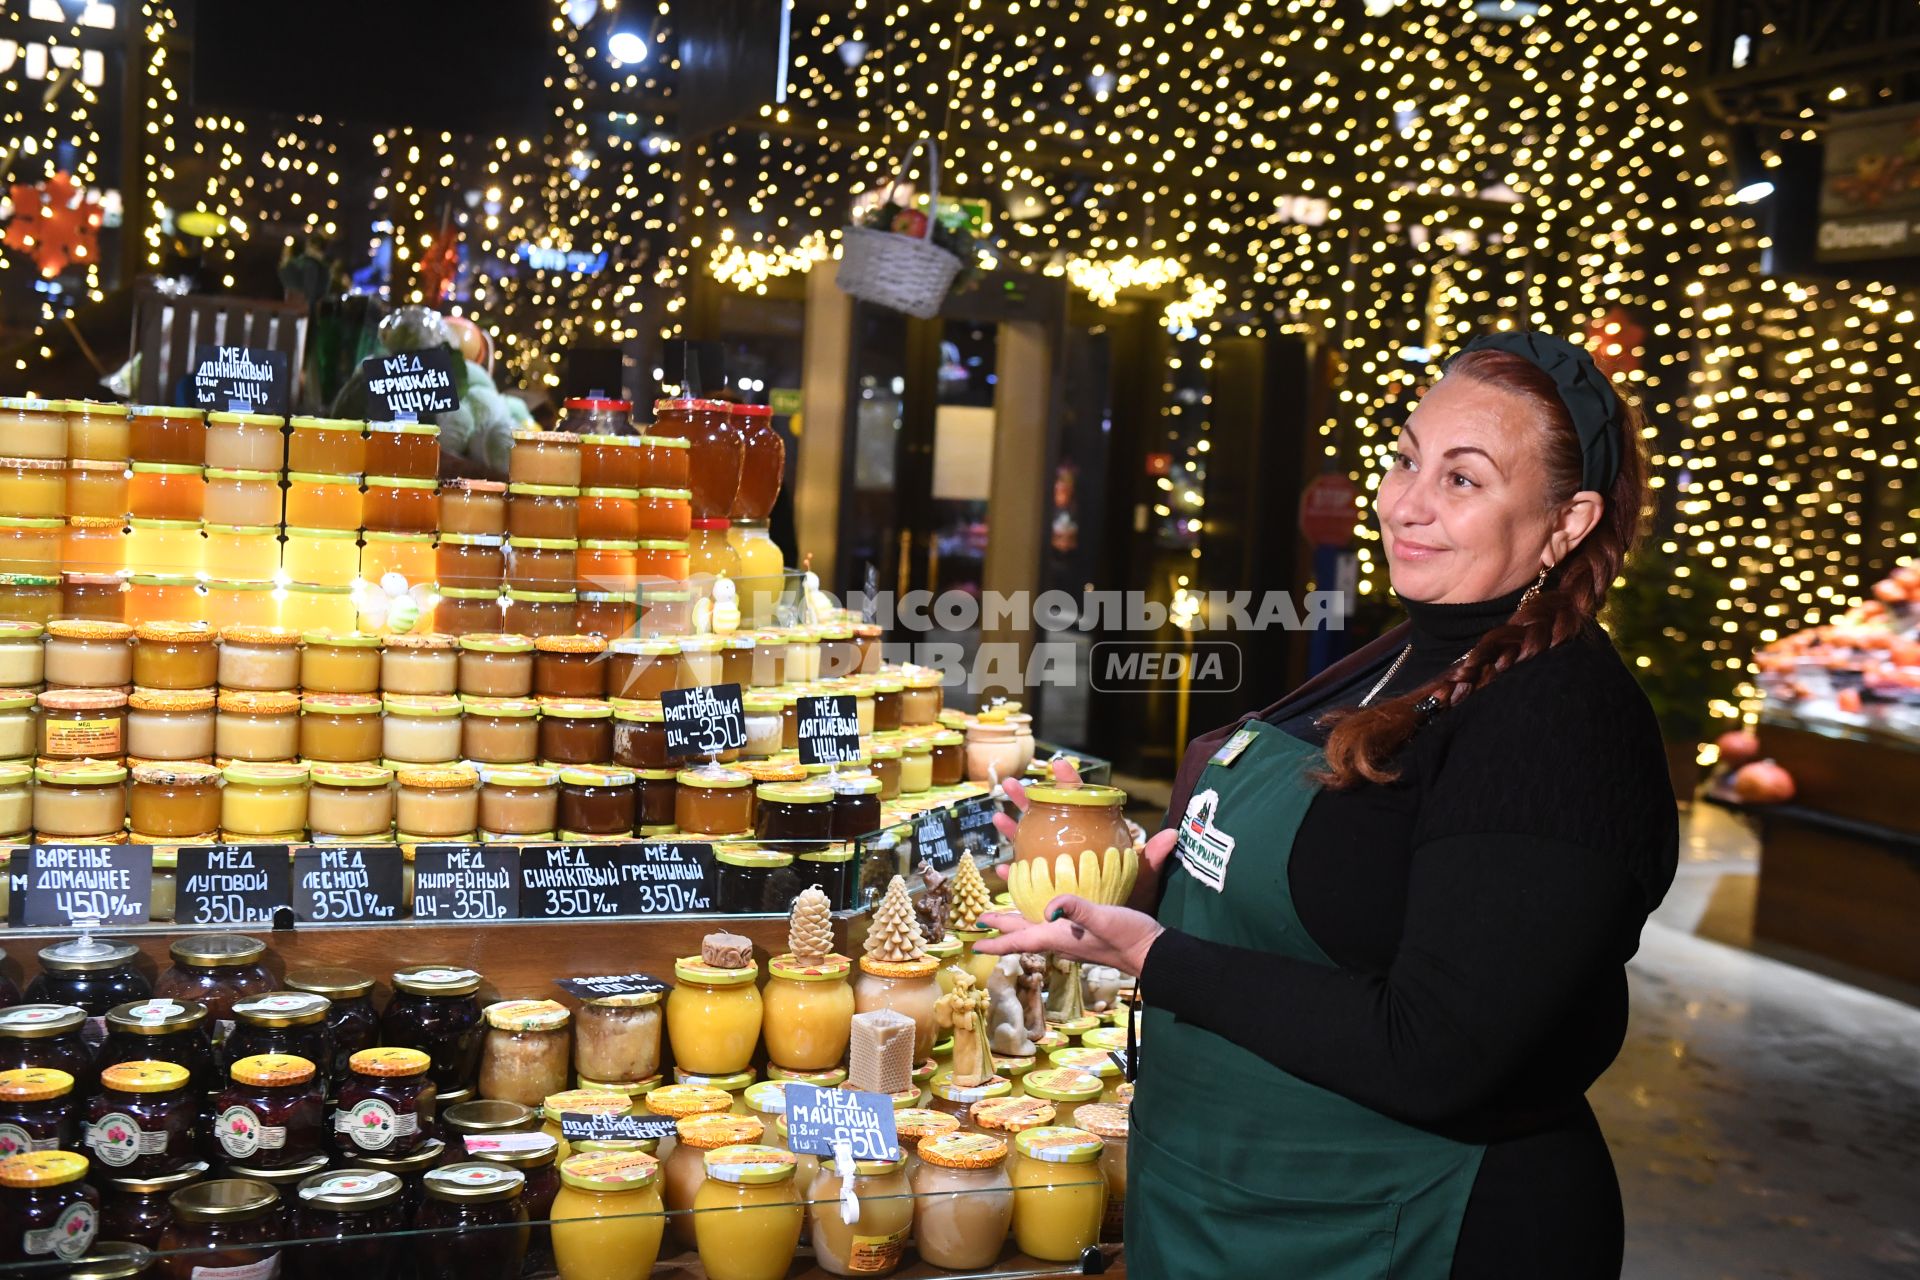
166, 548
31, 546
338, 445
608, 1217
437, 802
907, 987
270, 1115
543, 511
321, 557
713, 1016
579, 1102
97, 491
964, 1201
241, 497
401, 504
1110, 1123
80, 800
960, 1100
916, 766
385, 551
175, 801
1059, 1193
426, 665
33, 488
340, 728
617, 1037
808, 1012
141, 1123
261, 659
34, 428
16, 797
88, 655
1067, 1088
242, 552
421, 729
36, 1111
349, 801
264, 801
170, 725
713, 801
245, 442
257, 726
51, 1215
316, 608
875, 1242
97, 431
1092, 1060
517, 801
473, 507
496, 665
167, 491
171, 655
528, 1049
748, 1214
384, 1098
340, 662
540, 613
503, 731
22, 656
30, 597
642, 670
575, 731
163, 434
685, 1167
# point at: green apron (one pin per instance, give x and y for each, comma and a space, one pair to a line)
1236, 1167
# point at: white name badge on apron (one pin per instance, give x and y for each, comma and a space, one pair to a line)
1204, 849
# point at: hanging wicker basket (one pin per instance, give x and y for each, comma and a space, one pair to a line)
891, 269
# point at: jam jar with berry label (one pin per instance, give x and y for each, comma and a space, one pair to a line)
36, 1111
47, 1211
142, 1121
224, 1229
271, 1115
385, 1102
161, 1030
47, 1035
352, 1023
287, 1022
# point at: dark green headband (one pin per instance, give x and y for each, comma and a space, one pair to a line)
1583, 389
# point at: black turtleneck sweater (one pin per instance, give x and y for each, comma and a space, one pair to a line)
1479, 911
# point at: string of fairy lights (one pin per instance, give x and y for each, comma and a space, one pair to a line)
1385, 179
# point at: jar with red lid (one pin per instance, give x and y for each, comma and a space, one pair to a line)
137, 1210
434, 1009
217, 970
540, 613
381, 1110
142, 1120
271, 1115
470, 561
222, 1229
607, 614
596, 803
763, 462
597, 416
570, 666
282, 1024
473, 507
575, 731
47, 1212
410, 450
609, 461
544, 457
715, 447
350, 1221
480, 1224
49, 1037
543, 511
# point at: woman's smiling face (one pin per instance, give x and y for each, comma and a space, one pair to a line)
1467, 510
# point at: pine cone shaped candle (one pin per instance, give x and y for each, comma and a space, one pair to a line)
810, 929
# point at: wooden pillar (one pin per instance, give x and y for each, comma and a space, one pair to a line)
1017, 516
826, 362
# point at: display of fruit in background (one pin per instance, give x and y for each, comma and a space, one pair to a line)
1737, 746
1762, 782
1072, 840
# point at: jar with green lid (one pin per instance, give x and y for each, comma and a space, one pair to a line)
500, 731
409, 449
830, 870
541, 564
540, 613
949, 758
748, 1214
16, 798
753, 881
809, 1008
1067, 1088
80, 800
22, 656
665, 610
916, 766
886, 766
607, 1216
496, 665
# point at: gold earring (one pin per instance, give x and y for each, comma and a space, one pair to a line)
1534, 590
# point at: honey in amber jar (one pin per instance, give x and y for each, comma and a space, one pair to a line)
610, 461
94, 597
607, 566
596, 803
340, 728
411, 555
161, 434
661, 562
473, 507
318, 500
249, 604
83, 724
98, 432
716, 448
608, 614
763, 462
169, 655
245, 442
540, 613
31, 547
179, 801
714, 801
570, 666
167, 491
97, 490
409, 449
33, 488
94, 545
465, 611
664, 462
340, 662
319, 557
664, 515
333, 446
544, 457
470, 561
541, 564
402, 504
34, 428
609, 513
165, 597
543, 511
165, 546
243, 497
317, 608
575, 732
243, 553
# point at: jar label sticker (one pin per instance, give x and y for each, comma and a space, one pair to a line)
157, 1010
373, 1124
876, 1254
75, 739
241, 1133
288, 1002
70, 1236
15, 1141
1204, 849
118, 1140
368, 1182
266, 1269
442, 975
473, 1176
34, 1015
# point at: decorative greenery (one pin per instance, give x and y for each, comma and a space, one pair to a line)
953, 230
1661, 616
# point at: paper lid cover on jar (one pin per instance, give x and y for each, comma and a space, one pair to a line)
1104, 1120
527, 1015
609, 1170
341, 704
497, 642
336, 983
351, 1189
921, 1123
1059, 1145
823, 1079
750, 1164
518, 775
1012, 1115
575, 708
963, 1150
174, 701
34, 1084
274, 1070
349, 775
1094, 1061
1104, 1038
12, 773
144, 1077
391, 1060
687, 1100
426, 639
247, 702
713, 776
38, 1021
474, 1181
282, 1009
1062, 1084
747, 856
694, 970
996, 1087
768, 1097
82, 699
42, 1169
80, 773
711, 1130
156, 1017
570, 644
593, 1102
437, 980
596, 775
513, 708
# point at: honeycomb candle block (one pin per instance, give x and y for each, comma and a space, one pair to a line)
880, 1059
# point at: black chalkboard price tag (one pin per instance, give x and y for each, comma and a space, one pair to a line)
578, 1126
240, 379
936, 839
613, 984
58, 885
466, 882
973, 824
667, 878
231, 883
346, 884
571, 881
829, 729
412, 384
703, 721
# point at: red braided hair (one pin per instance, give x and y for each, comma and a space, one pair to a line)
1364, 740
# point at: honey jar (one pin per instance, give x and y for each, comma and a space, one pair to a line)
80, 800
257, 725
83, 724
170, 725
88, 655
98, 432
323, 500
264, 801
409, 450
340, 662
340, 728
172, 655
336, 445
175, 801
244, 442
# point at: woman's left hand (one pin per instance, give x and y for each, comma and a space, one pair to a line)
1078, 929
